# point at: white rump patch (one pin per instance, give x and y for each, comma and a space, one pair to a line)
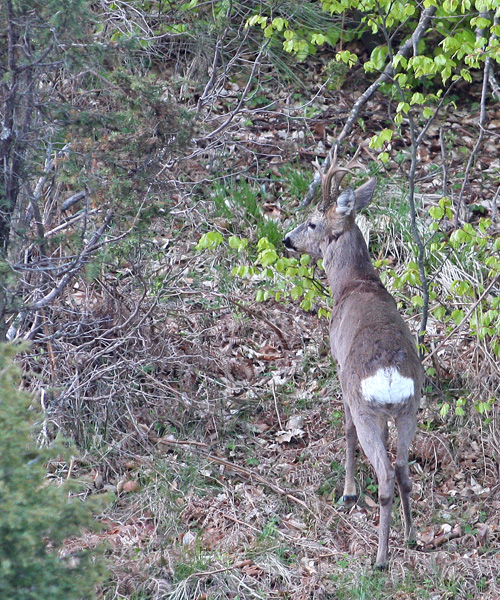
387, 386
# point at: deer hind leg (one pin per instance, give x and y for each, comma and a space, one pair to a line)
350, 497
372, 437
406, 430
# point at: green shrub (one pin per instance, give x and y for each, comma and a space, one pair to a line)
36, 517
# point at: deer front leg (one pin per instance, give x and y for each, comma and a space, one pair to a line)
349, 496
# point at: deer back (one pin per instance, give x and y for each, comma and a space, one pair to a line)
369, 339
371, 343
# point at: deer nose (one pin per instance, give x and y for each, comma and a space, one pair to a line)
287, 242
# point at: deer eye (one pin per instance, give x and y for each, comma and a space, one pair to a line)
312, 225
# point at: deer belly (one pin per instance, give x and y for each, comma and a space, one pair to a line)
387, 386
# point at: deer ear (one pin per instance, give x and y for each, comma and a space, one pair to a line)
364, 193
346, 202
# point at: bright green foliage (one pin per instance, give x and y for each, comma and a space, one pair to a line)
211, 239
240, 204
36, 517
456, 24
274, 276
307, 27
482, 407
466, 244
470, 249
461, 35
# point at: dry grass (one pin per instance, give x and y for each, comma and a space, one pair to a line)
227, 506
168, 375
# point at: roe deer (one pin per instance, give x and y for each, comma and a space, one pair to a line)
378, 366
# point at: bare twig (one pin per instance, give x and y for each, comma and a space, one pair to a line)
276, 405
168, 442
257, 315
494, 206
387, 74
213, 75
465, 318
473, 154
77, 265
242, 99
72, 200
495, 88
444, 166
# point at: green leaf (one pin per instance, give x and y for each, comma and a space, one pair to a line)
268, 257
444, 410
346, 57
318, 38
237, 243
279, 265
256, 19
480, 22
461, 288
306, 304
242, 271
268, 31
399, 60
436, 212
417, 98
377, 59
417, 300
323, 312
439, 312
211, 239
377, 141
483, 407
265, 244
457, 316
279, 23
465, 73
403, 107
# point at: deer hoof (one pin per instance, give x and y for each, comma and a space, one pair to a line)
349, 500
381, 566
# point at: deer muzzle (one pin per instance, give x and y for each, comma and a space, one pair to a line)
287, 241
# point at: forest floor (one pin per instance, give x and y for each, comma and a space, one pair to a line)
226, 460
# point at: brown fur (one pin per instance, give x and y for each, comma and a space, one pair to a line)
367, 333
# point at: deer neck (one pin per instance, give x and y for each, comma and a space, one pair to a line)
346, 261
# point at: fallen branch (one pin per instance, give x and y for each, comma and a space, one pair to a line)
442, 538
241, 471
257, 315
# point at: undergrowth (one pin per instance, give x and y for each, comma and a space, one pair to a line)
462, 268
226, 414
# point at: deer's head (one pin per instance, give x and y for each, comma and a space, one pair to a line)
335, 213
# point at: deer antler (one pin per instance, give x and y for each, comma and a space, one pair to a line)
335, 174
